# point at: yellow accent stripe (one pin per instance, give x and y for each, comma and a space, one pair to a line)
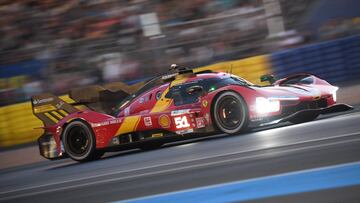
163, 103
63, 113
57, 115
178, 81
51, 117
44, 108
128, 125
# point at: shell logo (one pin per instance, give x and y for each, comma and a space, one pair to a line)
164, 121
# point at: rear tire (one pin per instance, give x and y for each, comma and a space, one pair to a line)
79, 142
230, 113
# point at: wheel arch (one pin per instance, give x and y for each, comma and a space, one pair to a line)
93, 152
76, 119
217, 95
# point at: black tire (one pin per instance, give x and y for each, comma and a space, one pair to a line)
79, 142
230, 113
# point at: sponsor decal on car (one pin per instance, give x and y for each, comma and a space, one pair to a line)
165, 77
186, 131
115, 121
141, 100
147, 121
180, 112
164, 121
41, 101
60, 104
200, 123
207, 117
127, 111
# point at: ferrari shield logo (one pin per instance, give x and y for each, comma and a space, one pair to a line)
205, 103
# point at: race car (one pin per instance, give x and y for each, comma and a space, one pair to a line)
178, 104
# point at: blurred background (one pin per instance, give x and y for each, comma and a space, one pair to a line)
55, 45
49, 45
52, 46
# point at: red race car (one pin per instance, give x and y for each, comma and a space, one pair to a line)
178, 104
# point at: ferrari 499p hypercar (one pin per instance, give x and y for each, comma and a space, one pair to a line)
177, 104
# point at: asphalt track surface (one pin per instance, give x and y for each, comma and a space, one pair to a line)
328, 141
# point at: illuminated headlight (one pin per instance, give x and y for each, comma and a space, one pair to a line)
264, 105
334, 95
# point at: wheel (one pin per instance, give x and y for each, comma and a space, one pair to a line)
230, 113
79, 142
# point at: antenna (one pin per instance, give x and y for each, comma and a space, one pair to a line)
231, 66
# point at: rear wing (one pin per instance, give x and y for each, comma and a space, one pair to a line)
50, 109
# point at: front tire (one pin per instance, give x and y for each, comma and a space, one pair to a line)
230, 113
79, 142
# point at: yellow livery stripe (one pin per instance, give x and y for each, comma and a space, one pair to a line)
178, 81
128, 125
44, 108
51, 117
163, 103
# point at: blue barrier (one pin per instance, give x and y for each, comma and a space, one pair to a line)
31, 67
335, 61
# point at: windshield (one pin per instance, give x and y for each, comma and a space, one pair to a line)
212, 84
181, 95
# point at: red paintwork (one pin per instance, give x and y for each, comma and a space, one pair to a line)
105, 127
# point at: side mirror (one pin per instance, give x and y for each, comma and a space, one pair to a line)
194, 89
268, 77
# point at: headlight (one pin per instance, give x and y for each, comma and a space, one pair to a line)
334, 95
264, 105
285, 98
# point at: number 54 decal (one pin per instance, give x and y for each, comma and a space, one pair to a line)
181, 122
